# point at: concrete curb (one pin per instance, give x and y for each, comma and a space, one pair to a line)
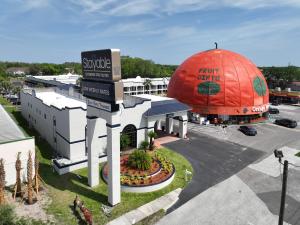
134, 216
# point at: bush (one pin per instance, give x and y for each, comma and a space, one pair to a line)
124, 141
139, 160
7, 215
144, 145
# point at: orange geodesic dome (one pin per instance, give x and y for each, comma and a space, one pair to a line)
220, 82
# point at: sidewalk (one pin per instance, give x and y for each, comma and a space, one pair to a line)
148, 209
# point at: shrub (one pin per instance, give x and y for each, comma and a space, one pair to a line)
144, 145
124, 141
139, 160
7, 215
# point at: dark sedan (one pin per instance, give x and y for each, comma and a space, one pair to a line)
248, 130
273, 111
286, 123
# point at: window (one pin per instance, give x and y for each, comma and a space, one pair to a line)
45, 116
35, 121
54, 121
29, 116
54, 139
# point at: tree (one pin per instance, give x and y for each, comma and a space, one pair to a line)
152, 135
36, 173
18, 165
144, 145
147, 83
124, 141
2, 182
29, 179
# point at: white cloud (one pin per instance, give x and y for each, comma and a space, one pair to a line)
34, 4
156, 7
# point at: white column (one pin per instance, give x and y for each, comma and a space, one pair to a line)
158, 125
93, 161
169, 125
113, 159
182, 129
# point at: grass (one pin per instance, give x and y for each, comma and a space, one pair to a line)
298, 154
63, 189
3, 101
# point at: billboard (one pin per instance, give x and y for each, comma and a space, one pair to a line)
101, 65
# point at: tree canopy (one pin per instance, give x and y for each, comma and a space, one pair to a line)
131, 67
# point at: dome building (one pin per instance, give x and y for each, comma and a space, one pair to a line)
221, 84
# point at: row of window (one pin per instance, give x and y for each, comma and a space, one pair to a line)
38, 111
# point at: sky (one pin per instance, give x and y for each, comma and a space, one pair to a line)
165, 31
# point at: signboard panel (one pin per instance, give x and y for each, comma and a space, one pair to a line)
107, 92
101, 65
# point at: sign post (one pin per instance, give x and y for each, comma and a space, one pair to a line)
100, 85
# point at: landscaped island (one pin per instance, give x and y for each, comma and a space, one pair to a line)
143, 171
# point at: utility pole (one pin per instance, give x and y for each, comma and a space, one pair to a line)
283, 192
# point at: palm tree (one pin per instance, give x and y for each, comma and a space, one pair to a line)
18, 175
36, 173
29, 179
2, 182
147, 83
144, 145
152, 135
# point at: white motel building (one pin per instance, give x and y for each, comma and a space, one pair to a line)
131, 86
60, 117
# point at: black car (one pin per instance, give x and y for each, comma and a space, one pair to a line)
273, 111
286, 123
248, 130
275, 103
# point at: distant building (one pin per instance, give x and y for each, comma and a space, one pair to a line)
138, 85
17, 71
52, 80
132, 86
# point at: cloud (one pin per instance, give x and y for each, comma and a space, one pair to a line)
157, 7
35, 4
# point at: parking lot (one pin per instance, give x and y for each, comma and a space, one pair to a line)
241, 164
269, 136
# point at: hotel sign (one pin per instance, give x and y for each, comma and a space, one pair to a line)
101, 65
101, 71
107, 92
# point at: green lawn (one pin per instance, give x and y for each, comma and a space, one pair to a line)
298, 154
62, 189
3, 101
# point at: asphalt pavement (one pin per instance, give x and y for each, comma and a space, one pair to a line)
213, 161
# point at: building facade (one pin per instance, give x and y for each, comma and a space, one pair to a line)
60, 118
138, 86
132, 86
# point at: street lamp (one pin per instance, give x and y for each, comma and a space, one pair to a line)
278, 154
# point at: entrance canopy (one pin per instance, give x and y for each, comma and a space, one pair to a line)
163, 106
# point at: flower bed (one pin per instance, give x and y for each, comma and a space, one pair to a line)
159, 175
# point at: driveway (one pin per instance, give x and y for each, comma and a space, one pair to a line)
213, 161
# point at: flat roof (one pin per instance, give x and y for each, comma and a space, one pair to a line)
154, 98
9, 129
59, 101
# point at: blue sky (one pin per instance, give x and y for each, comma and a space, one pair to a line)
166, 31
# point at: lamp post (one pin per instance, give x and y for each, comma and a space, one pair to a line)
278, 154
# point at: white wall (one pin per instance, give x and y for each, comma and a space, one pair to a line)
9, 152
70, 126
